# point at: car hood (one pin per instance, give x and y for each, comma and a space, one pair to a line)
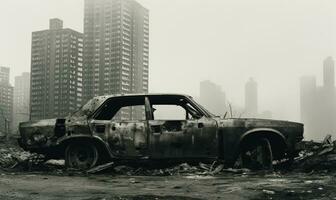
254, 122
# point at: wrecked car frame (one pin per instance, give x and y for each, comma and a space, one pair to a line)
128, 127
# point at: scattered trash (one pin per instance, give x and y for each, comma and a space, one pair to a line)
237, 171
100, 168
268, 192
181, 169
317, 155
314, 157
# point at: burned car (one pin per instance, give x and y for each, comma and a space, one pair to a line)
156, 127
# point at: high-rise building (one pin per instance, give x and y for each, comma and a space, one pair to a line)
326, 99
115, 47
6, 102
21, 99
328, 73
308, 104
4, 75
212, 97
318, 104
56, 71
251, 98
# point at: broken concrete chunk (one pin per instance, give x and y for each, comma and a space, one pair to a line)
100, 168
327, 140
268, 192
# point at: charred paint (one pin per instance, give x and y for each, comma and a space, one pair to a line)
203, 136
127, 138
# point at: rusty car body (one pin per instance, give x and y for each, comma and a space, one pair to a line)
106, 128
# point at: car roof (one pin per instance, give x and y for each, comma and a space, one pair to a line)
141, 94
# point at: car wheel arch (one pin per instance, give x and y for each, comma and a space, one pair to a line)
275, 137
103, 148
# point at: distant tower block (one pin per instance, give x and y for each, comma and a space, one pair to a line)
251, 98
55, 24
116, 45
212, 97
328, 72
56, 71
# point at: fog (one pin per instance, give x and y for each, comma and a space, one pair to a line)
225, 41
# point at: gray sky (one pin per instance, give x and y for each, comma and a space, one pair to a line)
226, 41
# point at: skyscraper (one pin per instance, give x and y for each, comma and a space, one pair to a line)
318, 104
21, 99
56, 71
212, 97
6, 102
115, 47
328, 73
251, 98
4, 75
308, 104
326, 116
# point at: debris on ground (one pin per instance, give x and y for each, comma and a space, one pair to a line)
317, 155
268, 192
100, 168
11, 156
181, 169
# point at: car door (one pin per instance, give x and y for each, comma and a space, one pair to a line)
122, 122
178, 137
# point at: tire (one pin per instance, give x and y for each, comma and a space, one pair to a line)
81, 156
258, 155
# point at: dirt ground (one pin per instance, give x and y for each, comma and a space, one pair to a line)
229, 186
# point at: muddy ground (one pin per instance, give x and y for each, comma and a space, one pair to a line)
22, 180
229, 186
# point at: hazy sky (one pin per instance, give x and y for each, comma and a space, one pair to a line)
226, 41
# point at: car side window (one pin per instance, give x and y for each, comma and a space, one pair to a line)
122, 108
130, 113
192, 112
169, 112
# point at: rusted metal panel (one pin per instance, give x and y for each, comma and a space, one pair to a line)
37, 133
206, 136
187, 138
128, 138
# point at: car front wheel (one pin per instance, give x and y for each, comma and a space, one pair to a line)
81, 156
258, 155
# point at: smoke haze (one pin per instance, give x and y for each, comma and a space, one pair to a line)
225, 41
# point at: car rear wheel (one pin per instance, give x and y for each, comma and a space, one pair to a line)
81, 156
258, 155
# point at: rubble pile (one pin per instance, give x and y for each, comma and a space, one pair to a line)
11, 156
314, 156
181, 169
317, 155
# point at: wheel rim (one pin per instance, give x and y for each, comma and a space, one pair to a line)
259, 156
82, 156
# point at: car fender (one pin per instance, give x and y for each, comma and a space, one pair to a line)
95, 139
258, 130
